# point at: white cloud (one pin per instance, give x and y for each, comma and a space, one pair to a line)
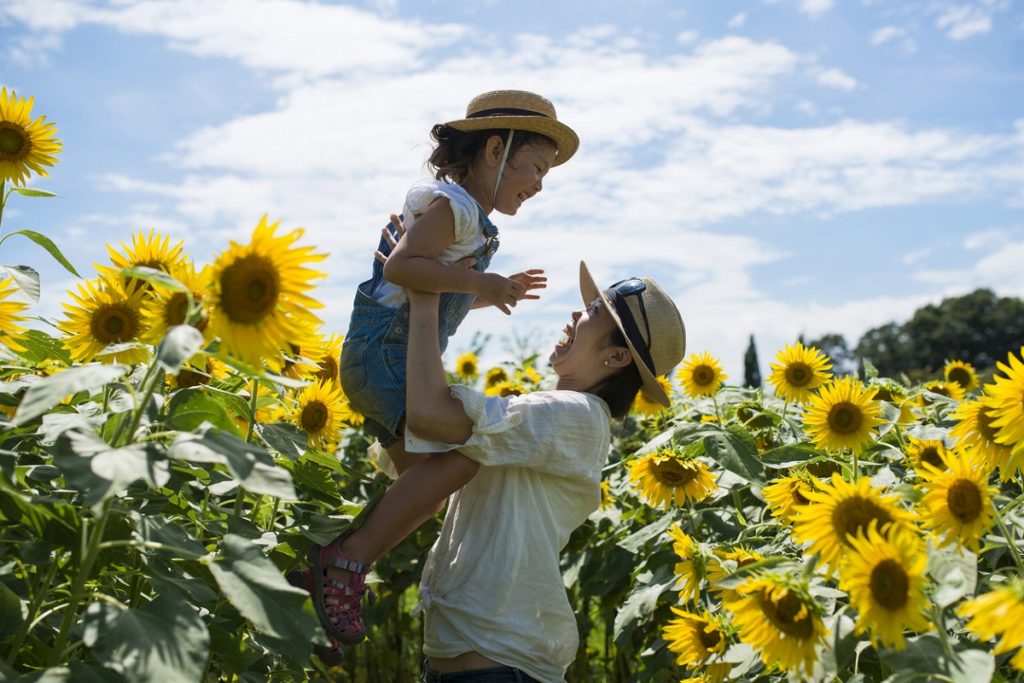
964, 21
986, 239
687, 37
896, 35
1001, 264
816, 8
737, 20
834, 78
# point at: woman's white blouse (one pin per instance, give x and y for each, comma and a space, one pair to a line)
492, 582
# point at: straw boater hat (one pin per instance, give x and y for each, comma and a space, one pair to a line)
647, 306
519, 110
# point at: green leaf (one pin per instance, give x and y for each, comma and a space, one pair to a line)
735, 451
48, 245
163, 641
12, 612
643, 599
955, 574
251, 465
98, 471
25, 277
153, 276
285, 438
636, 541
32, 192
40, 346
49, 391
787, 456
189, 408
179, 344
253, 584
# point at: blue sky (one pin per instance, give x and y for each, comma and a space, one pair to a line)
785, 167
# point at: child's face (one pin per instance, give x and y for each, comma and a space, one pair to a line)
522, 177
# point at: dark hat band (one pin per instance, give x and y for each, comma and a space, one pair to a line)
505, 111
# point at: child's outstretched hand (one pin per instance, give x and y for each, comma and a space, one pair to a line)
530, 280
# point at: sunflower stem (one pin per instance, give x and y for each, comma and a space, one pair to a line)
3, 199
855, 467
718, 413
943, 636
1009, 539
149, 381
252, 409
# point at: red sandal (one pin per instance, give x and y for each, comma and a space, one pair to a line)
330, 655
342, 618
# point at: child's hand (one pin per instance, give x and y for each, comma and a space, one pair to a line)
389, 239
530, 279
500, 291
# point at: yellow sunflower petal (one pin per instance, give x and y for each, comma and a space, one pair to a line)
26, 146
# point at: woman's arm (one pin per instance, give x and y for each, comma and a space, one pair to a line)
431, 411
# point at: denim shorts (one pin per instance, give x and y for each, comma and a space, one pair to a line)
500, 674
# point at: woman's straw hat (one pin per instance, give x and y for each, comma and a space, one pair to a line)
519, 110
650, 308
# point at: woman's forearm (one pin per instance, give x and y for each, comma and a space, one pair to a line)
431, 411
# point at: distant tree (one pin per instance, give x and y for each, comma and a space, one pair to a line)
751, 369
833, 345
979, 328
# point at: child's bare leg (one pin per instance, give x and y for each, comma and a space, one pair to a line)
410, 501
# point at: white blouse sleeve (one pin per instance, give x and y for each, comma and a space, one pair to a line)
464, 209
563, 433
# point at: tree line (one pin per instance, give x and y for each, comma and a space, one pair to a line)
979, 328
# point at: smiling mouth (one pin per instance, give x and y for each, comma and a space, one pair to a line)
570, 336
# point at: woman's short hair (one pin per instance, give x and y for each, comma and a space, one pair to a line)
620, 390
455, 150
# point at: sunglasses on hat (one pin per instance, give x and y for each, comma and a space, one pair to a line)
618, 293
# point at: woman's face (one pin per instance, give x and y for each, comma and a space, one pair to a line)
579, 358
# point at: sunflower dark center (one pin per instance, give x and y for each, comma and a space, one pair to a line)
328, 369
114, 323
314, 417
985, 428
709, 636
14, 142
672, 473
703, 375
964, 500
789, 615
851, 516
890, 585
249, 289
798, 496
176, 309
798, 374
467, 368
940, 389
882, 394
190, 378
961, 376
845, 418
931, 455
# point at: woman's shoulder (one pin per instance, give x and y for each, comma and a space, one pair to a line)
566, 400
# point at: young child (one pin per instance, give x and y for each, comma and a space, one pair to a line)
493, 159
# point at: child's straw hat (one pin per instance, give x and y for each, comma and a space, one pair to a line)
519, 110
650, 322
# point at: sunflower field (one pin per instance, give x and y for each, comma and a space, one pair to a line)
174, 444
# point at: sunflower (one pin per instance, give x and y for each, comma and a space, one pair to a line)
778, 617
25, 145
975, 430
951, 390
607, 499
694, 638
259, 298
838, 511
195, 374
962, 373
999, 614
922, 452
1005, 399
787, 494
466, 367
701, 375
798, 370
529, 374
149, 251
884, 573
166, 308
330, 355
958, 499
319, 411
666, 478
506, 388
9, 318
842, 415
691, 567
494, 377
645, 406
105, 311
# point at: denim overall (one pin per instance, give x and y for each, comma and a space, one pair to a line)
374, 352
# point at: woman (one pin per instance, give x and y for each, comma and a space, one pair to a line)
495, 608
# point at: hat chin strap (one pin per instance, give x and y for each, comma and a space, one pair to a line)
501, 166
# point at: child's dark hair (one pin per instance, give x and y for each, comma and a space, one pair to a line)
455, 150
619, 391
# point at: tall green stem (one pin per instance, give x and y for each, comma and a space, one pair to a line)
1009, 539
149, 381
37, 600
78, 585
856, 467
253, 403
3, 199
